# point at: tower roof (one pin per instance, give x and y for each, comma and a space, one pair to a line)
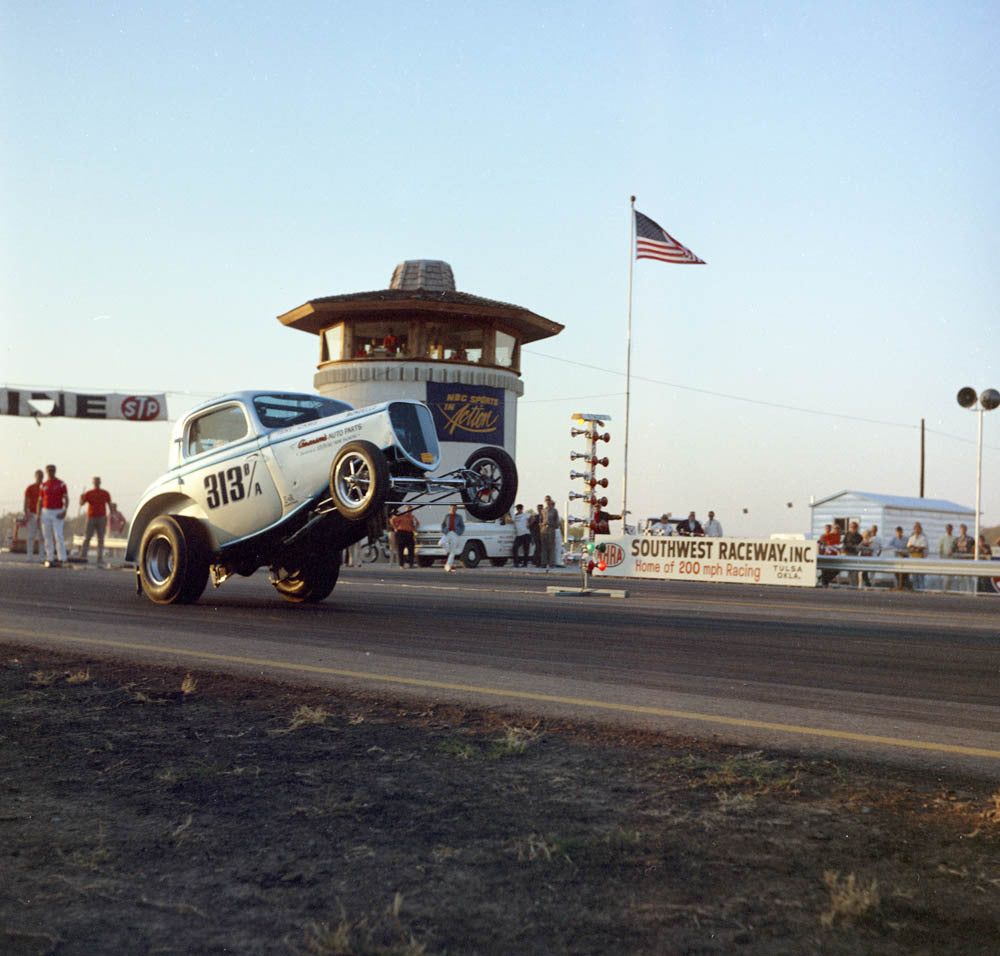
420, 288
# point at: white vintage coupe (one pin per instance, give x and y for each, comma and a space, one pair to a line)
287, 481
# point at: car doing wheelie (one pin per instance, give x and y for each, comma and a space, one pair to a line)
287, 481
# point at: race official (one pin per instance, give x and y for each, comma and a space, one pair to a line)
52, 504
97, 501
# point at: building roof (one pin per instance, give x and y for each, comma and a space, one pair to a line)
420, 290
901, 501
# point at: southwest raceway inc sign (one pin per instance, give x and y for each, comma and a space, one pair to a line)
102, 406
732, 560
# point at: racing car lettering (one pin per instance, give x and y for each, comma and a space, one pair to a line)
225, 486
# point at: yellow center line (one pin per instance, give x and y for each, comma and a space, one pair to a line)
516, 694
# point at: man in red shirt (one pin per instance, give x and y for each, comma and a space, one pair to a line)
52, 504
97, 501
33, 543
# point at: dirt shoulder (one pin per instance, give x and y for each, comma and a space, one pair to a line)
152, 811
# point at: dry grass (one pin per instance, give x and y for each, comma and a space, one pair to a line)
992, 814
41, 679
188, 685
382, 935
849, 898
304, 716
513, 743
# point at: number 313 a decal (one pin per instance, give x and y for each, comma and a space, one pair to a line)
225, 486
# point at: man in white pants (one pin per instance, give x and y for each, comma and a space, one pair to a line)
52, 504
452, 529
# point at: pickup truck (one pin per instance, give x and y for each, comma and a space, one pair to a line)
482, 540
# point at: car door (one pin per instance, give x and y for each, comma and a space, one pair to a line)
226, 475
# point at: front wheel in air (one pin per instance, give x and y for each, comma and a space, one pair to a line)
490, 490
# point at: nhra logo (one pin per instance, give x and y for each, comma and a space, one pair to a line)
613, 555
140, 408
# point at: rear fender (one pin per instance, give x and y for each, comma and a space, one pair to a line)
169, 503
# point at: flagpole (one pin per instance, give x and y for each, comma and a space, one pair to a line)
628, 361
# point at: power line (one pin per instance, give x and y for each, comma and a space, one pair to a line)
745, 399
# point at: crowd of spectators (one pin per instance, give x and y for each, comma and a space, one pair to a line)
834, 540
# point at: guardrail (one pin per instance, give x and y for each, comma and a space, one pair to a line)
949, 567
112, 546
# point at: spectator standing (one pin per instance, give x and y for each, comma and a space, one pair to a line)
116, 522
549, 526
964, 546
852, 545
984, 549
31, 528
945, 543
866, 551
663, 526
97, 501
691, 526
522, 537
712, 527
405, 525
452, 529
52, 504
535, 527
916, 545
829, 543
897, 547
876, 544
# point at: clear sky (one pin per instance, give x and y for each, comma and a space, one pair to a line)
176, 175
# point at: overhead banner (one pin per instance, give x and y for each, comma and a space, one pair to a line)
471, 413
732, 560
101, 406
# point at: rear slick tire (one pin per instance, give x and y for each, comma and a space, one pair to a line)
174, 559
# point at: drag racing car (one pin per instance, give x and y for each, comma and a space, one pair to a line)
287, 481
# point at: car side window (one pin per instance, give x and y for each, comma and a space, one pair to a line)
217, 427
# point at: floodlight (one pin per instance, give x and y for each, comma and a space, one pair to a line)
967, 397
990, 399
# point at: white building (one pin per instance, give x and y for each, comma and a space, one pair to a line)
890, 512
422, 339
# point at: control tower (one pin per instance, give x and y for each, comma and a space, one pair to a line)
420, 338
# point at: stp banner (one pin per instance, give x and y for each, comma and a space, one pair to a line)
733, 560
52, 403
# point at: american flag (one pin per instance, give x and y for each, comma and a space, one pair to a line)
652, 241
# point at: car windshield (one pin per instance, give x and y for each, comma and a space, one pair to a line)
283, 409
